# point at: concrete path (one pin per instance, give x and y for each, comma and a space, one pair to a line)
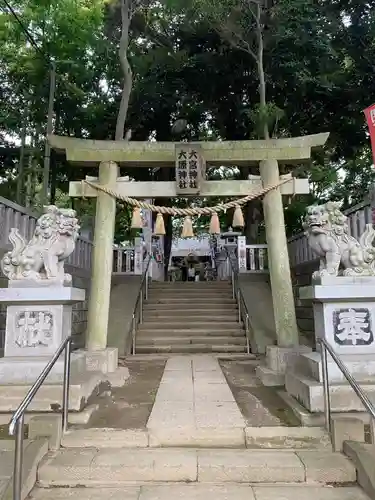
194, 393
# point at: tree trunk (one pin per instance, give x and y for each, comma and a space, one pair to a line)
21, 167
53, 178
261, 75
252, 214
32, 171
253, 217
126, 15
28, 185
54, 162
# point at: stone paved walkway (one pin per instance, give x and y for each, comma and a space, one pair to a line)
193, 390
194, 393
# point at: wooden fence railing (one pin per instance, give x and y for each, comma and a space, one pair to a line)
123, 260
256, 258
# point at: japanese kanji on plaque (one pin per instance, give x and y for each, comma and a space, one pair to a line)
190, 168
352, 326
34, 328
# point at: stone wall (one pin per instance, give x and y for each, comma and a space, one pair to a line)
81, 279
256, 291
124, 293
301, 276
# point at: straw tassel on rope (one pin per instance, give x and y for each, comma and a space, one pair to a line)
137, 218
238, 220
159, 225
187, 228
214, 224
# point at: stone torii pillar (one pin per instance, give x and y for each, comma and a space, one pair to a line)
100, 290
278, 258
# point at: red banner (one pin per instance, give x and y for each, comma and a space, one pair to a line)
370, 117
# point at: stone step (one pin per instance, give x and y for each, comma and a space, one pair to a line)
193, 288
192, 332
196, 491
191, 293
277, 437
87, 467
190, 348
164, 316
362, 367
225, 292
33, 453
228, 356
191, 340
187, 325
188, 309
192, 298
193, 301
310, 394
49, 396
287, 437
191, 285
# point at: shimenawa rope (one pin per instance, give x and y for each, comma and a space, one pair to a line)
186, 211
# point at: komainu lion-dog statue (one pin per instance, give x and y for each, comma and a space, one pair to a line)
42, 258
327, 231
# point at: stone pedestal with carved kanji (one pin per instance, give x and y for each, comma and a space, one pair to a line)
344, 315
39, 301
38, 320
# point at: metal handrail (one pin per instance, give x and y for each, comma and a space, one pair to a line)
142, 294
238, 295
17, 421
352, 382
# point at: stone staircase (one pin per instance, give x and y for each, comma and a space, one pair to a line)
124, 465
196, 445
189, 317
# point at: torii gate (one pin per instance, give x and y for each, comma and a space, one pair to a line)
189, 159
